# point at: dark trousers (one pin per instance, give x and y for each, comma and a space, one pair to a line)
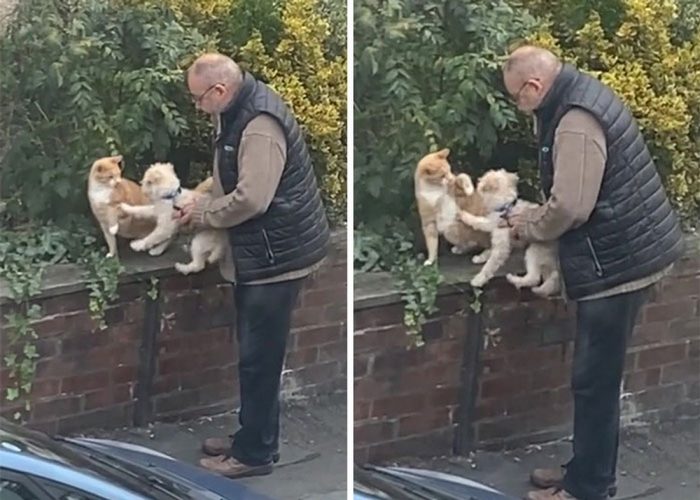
264, 314
603, 327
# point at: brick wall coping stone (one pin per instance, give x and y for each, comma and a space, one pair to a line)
63, 279
375, 289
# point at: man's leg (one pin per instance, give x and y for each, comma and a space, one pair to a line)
603, 326
263, 322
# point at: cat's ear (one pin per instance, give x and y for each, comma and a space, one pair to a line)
443, 153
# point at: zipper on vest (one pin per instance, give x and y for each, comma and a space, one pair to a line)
268, 248
598, 267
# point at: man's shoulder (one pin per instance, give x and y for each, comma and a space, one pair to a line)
578, 120
266, 125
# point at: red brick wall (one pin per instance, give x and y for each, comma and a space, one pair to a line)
407, 400
87, 378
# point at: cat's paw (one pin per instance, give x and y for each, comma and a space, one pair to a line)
114, 229
428, 262
478, 281
458, 250
138, 245
111, 255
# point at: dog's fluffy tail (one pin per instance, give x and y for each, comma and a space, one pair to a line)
205, 186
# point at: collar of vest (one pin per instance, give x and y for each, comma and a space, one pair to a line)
562, 82
244, 93
172, 194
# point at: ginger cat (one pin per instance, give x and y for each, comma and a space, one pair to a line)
107, 189
441, 196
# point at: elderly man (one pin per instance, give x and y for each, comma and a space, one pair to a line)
266, 196
617, 235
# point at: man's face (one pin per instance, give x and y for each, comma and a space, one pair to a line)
206, 96
527, 94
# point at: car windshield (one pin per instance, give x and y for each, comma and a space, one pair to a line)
372, 482
129, 476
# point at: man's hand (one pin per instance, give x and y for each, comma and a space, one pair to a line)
512, 222
183, 216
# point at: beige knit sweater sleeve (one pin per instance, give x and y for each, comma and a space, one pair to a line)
579, 156
261, 160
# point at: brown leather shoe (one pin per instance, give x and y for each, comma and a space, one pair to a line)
547, 478
216, 446
550, 494
220, 446
554, 478
232, 468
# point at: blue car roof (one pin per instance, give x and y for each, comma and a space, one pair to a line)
27, 462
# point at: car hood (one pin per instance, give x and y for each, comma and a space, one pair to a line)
448, 485
204, 484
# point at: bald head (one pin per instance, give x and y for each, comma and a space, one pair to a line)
214, 80
528, 74
532, 62
215, 68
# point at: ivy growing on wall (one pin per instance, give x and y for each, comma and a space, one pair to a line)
23, 259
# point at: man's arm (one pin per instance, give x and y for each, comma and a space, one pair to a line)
261, 160
579, 157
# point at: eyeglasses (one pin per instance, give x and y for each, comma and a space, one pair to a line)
516, 97
198, 99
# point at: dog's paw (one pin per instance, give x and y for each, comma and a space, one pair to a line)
138, 245
182, 268
428, 262
125, 207
468, 219
111, 255
479, 259
478, 281
114, 229
514, 280
458, 250
155, 251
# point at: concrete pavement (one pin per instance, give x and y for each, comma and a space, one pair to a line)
313, 449
656, 463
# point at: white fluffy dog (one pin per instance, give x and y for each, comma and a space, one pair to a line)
162, 186
499, 193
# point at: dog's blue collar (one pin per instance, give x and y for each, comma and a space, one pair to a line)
506, 208
173, 194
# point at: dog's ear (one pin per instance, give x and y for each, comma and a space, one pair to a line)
443, 153
513, 177
118, 159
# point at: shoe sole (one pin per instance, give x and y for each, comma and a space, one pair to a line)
544, 485
263, 470
216, 453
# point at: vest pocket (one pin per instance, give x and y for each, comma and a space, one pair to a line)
268, 248
596, 262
